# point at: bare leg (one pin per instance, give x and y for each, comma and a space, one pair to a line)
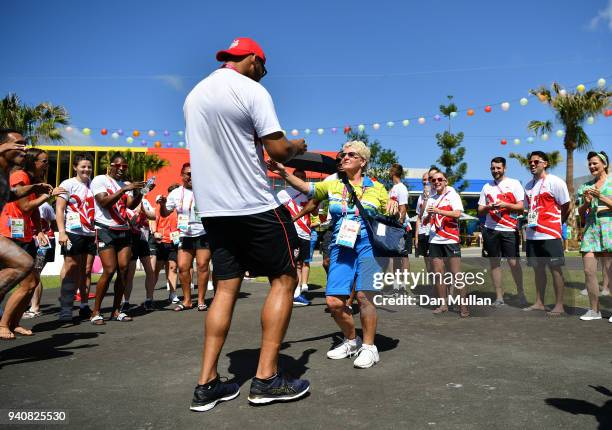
129, 282
369, 317
438, 267
590, 279
496, 277
150, 278
185, 261
540, 284
123, 262
15, 264
203, 267
517, 275
108, 257
18, 302
559, 285
171, 275
341, 314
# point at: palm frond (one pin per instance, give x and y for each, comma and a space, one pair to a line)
539, 127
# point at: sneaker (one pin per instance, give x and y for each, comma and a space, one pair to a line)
610, 319
148, 305
584, 292
522, 300
205, 397
367, 357
605, 293
300, 301
591, 315
173, 298
85, 312
304, 288
346, 349
277, 389
498, 302
31, 314
389, 292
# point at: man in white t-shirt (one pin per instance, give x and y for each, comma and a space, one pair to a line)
547, 201
502, 200
421, 242
398, 198
230, 120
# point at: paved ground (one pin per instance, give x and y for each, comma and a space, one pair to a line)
499, 369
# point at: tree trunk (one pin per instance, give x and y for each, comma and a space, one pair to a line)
569, 180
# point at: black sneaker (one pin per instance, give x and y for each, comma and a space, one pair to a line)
277, 389
148, 306
205, 397
85, 312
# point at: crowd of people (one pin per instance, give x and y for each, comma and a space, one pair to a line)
225, 213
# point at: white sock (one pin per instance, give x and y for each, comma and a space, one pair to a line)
353, 342
297, 292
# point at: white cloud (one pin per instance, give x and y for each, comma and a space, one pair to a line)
176, 81
603, 16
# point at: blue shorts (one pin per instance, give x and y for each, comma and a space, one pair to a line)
347, 266
314, 236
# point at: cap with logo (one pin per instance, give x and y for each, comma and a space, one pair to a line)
242, 46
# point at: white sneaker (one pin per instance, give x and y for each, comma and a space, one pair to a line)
304, 288
167, 286
584, 292
210, 286
591, 315
605, 293
610, 319
173, 298
346, 349
368, 357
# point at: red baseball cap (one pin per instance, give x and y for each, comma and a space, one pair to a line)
242, 46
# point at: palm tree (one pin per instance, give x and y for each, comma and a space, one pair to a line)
554, 158
37, 123
571, 109
139, 163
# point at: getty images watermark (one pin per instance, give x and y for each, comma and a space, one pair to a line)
410, 280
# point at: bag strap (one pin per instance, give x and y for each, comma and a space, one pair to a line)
362, 212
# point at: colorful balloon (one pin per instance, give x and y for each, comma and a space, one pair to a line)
143, 143
543, 97
390, 124
487, 109
294, 132
129, 139
320, 131
580, 88
334, 130
453, 114
104, 132
180, 132
406, 122
437, 117
505, 106
157, 144
544, 137
601, 83
68, 129
504, 142
524, 101
181, 144
562, 93
347, 129
168, 144
517, 141
166, 133
590, 120
608, 113
307, 131
560, 133
136, 133
422, 120
151, 133
87, 131
376, 126
115, 135
530, 139
361, 127
120, 132
470, 112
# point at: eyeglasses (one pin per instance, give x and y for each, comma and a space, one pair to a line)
535, 162
434, 180
120, 165
349, 154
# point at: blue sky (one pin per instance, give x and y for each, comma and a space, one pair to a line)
130, 64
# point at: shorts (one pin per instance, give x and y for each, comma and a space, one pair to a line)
304, 254
326, 241
408, 246
314, 237
264, 244
140, 247
194, 243
29, 247
79, 245
348, 266
422, 249
108, 238
166, 251
548, 252
498, 244
444, 250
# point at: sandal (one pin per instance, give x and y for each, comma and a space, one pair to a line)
31, 314
97, 320
440, 310
23, 331
122, 317
202, 307
555, 314
182, 307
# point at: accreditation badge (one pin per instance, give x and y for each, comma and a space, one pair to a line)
183, 222
175, 237
17, 228
73, 221
349, 229
532, 218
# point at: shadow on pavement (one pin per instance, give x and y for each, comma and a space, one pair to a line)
54, 347
603, 414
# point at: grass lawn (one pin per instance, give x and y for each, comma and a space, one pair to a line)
54, 280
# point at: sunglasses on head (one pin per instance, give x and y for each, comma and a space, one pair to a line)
120, 165
350, 154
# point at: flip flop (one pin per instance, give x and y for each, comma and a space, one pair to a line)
439, 311
202, 308
532, 308
122, 317
181, 307
97, 320
555, 314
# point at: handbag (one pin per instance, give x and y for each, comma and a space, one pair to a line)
388, 236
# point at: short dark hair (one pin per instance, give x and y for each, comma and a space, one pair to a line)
598, 154
433, 169
80, 157
4, 134
540, 154
116, 155
501, 160
397, 170
184, 166
173, 187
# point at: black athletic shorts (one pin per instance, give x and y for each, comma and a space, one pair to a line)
29, 247
109, 238
439, 250
264, 244
79, 245
548, 252
422, 250
194, 243
497, 244
50, 255
326, 241
408, 246
166, 251
304, 250
140, 247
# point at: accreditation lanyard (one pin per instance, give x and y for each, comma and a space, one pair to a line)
438, 203
190, 202
535, 199
344, 201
